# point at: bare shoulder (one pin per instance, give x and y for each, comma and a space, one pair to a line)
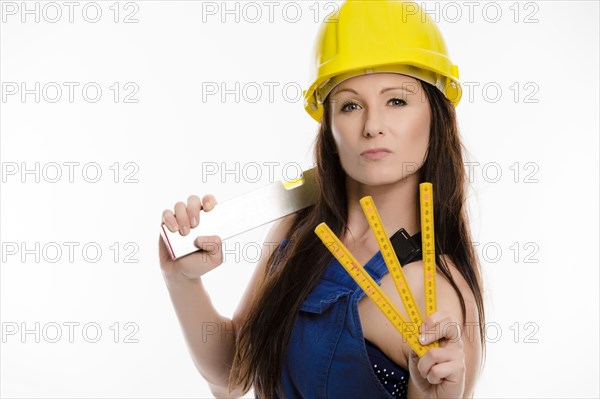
446, 296
276, 233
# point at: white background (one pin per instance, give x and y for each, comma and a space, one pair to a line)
541, 288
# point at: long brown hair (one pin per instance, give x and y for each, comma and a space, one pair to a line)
262, 340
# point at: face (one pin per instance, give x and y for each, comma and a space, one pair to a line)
386, 111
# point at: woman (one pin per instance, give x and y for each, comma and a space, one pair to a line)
384, 93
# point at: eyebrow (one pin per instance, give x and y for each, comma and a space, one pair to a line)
381, 92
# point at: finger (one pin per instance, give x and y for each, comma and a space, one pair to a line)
169, 219
193, 209
452, 332
210, 244
208, 202
447, 333
182, 218
438, 326
449, 371
436, 375
433, 319
436, 356
432, 322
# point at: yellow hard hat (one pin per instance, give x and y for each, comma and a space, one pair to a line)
379, 36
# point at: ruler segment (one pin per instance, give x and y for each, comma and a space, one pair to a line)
391, 260
428, 247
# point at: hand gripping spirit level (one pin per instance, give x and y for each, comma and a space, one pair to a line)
245, 212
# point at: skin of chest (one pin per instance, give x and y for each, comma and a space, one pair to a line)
377, 328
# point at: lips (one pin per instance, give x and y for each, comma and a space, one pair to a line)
376, 153
376, 150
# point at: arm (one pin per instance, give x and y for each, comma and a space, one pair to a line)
213, 353
197, 316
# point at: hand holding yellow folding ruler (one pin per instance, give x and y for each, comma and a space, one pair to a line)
409, 330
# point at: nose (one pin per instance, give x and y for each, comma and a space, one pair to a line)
374, 123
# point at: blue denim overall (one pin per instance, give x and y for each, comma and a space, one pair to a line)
327, 356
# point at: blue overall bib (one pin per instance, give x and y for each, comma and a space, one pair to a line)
327, 356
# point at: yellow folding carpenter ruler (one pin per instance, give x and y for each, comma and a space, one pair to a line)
409, 330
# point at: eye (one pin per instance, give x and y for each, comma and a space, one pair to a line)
396, 100
346, 104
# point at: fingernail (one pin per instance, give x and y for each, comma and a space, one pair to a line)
423, 338
194, 221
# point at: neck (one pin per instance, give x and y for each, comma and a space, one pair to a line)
395, 202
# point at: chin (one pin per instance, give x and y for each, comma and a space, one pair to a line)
376, 176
